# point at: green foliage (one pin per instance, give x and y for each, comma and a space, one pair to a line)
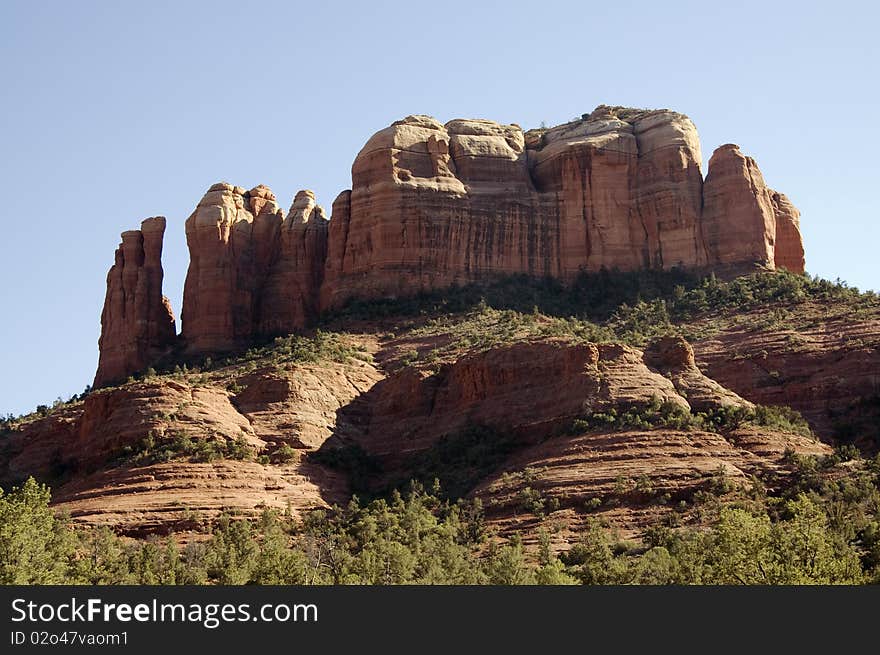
666, 414
155, 449
484, 327
291, 349
35, 545
781, 418
324, 346
637, 303
284, 454
738, 548
408, 539
656, 413
827, 535
351, 459
459, 461
759, 289
859, 424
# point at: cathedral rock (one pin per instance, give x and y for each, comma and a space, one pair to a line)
433, 205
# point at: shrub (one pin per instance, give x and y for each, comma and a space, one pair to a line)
284, 454
154, 449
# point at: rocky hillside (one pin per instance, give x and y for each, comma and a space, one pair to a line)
549, 416
567, 325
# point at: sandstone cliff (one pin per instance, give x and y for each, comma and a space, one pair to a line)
529, 390
137, 324
434, 204
253, 272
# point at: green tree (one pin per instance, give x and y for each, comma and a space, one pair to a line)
36, 547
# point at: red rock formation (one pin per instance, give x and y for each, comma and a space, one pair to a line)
253, 272
433, 205
289, 296
226, 263
529, 389
627, 472
822, 370
137, 324
86, 440
789, 250
739, 222
674, 358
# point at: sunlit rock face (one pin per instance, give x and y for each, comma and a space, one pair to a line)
137, 324
433, 205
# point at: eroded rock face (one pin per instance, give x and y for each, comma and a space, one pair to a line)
823, 371
739, 217
674, 358
289, 295
531, 390
137, 324
434, 204
253, 271
226, 264
630, 189
627, 471
789, 250
85, 448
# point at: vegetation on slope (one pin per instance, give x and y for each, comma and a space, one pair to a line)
631, 307
820, 525
657, 414
824, 529
627, 306
458, 462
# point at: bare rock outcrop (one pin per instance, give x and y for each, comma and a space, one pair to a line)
742, 216
220, 296
789, 249
253, 271
289, 296
674, 358
86, 448
433, 205
627, 472
137, 324
824, 370
531, 390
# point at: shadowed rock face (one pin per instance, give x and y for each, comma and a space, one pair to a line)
289, 297
532, 390
433, 205
137, 324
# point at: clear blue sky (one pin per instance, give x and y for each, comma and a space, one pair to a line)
115, 111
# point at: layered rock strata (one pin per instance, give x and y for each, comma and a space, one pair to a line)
530, 391
434, 204
137, 324
253, 271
